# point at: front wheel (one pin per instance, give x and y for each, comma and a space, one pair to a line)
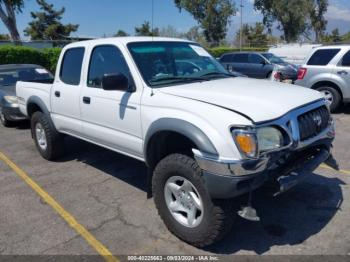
185, 205
47, 140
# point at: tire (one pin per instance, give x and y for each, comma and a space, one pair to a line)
54, 147
268, 76
4, 121
333, 95
216, 219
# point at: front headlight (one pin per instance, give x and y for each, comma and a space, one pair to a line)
269, 138
11, 99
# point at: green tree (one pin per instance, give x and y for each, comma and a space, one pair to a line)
252, 35
121, 33
346, 37
46, 25
170, 31
146, 30
8, 17
4, 37
291, 16
318, 22
333, 37
212, 15
196, 34
245, 33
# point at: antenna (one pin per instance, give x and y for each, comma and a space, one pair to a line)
152, 25
152, 19
241, 32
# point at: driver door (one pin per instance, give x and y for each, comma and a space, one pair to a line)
258, 66
111, 118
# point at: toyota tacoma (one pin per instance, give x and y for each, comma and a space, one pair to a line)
205, 135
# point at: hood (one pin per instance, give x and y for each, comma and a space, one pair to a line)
287, 66
8, 90
258, 100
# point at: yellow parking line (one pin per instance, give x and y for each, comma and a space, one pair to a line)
98, 246
346, 172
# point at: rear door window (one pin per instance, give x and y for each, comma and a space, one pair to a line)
255, 59
322, 57
240, 58
71, 66
227, 59
346, 59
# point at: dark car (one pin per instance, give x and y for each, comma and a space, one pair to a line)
9, 75
258, 65
191, 66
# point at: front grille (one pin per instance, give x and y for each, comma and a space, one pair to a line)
313, 122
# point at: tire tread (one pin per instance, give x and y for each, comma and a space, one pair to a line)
221, 213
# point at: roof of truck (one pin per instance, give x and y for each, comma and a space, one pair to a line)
128, 39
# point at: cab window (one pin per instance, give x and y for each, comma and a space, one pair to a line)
104, 60
71, 66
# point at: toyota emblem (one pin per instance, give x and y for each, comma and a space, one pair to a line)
318, 120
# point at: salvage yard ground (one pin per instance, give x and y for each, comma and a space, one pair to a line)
105, 193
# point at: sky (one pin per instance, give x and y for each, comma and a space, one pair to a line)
105, 17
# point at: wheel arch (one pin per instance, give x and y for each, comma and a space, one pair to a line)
35, 104
169, 134
328, 83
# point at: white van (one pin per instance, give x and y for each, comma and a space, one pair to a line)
293, 53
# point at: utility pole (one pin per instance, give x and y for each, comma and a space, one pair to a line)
241, 30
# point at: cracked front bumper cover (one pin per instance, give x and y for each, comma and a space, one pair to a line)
289, 180
233, 178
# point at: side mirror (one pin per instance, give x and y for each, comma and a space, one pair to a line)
115, 82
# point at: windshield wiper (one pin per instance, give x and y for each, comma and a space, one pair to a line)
177, 78
217, 74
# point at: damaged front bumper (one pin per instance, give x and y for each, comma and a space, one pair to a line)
282, 178
283, 169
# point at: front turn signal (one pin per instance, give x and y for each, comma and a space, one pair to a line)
247, 143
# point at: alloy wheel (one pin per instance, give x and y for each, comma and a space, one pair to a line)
41, 136
183, 201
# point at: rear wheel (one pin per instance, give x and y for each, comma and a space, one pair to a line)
331, 95
185, 205
47, 140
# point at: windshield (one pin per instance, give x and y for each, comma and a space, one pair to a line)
167, 63
10, 77
273, 59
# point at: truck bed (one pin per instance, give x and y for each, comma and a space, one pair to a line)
38, 89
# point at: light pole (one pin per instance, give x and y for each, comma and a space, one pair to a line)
241, 30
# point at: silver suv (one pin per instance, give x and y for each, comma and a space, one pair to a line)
327, 70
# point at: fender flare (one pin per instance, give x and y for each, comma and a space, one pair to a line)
192, 132
37, 101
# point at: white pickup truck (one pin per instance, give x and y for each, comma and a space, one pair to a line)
205, 135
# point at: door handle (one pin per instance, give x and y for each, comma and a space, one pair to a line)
86, 100
342, 72
57, 93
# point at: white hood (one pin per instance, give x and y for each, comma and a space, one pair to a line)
260, 100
